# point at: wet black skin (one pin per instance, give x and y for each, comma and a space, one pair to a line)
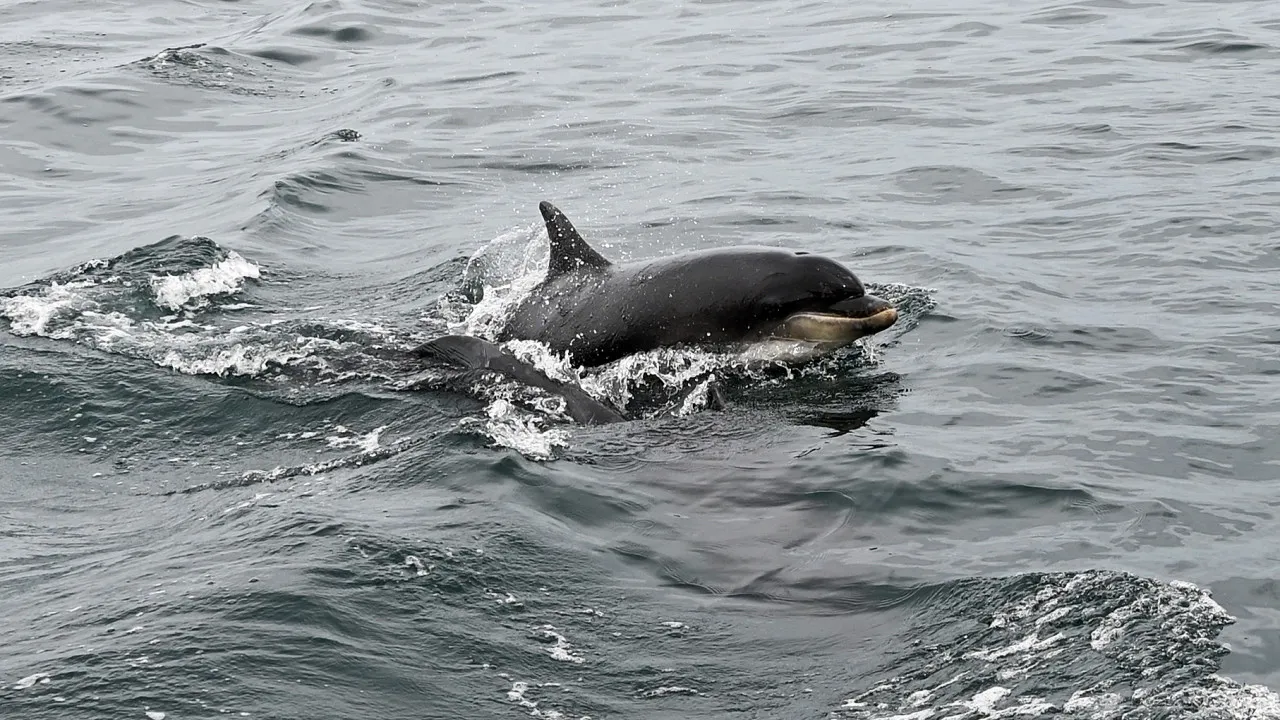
600, 312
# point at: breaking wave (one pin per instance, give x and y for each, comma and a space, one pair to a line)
187, 304
1096, 644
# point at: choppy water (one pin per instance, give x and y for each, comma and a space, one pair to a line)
226, 489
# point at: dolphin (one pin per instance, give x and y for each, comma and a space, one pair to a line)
598, 312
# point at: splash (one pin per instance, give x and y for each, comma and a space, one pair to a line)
47, 314
498, 277
171, 303
209, 356
506, 425
226, 277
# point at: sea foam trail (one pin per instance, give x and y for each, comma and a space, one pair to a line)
104, 304
225, 277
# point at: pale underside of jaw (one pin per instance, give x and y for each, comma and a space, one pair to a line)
829, 328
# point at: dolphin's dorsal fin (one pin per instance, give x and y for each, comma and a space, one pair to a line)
568, 250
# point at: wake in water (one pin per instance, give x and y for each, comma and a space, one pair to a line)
149, 303
189, 305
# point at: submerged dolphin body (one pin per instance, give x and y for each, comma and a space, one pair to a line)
598, 312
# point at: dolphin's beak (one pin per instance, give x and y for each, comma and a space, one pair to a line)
867, 306
842, 323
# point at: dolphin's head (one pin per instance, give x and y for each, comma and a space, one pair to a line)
816, 299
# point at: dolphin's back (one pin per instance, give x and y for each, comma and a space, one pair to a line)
600, 315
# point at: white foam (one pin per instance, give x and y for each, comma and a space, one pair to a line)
75, 311
503, 599
507, 426
1112, 627
241, 359
985, 702
31, 680
919, 697
1028, 644
358, 459
415, 562
697, 398
366, 443
1055, 627
35, 314
1097, 705
1203, 601
1232, 700
517, 695
669, 690
780, 351
918, 715
1054, 615
1030, 707
562, 649
227, 276
674, 368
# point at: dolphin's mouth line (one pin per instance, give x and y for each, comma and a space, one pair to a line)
839, 324
832, 328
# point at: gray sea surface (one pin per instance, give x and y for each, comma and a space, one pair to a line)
227, 487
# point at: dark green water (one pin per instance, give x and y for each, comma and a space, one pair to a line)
226, 488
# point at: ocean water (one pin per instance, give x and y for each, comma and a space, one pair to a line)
228, 489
